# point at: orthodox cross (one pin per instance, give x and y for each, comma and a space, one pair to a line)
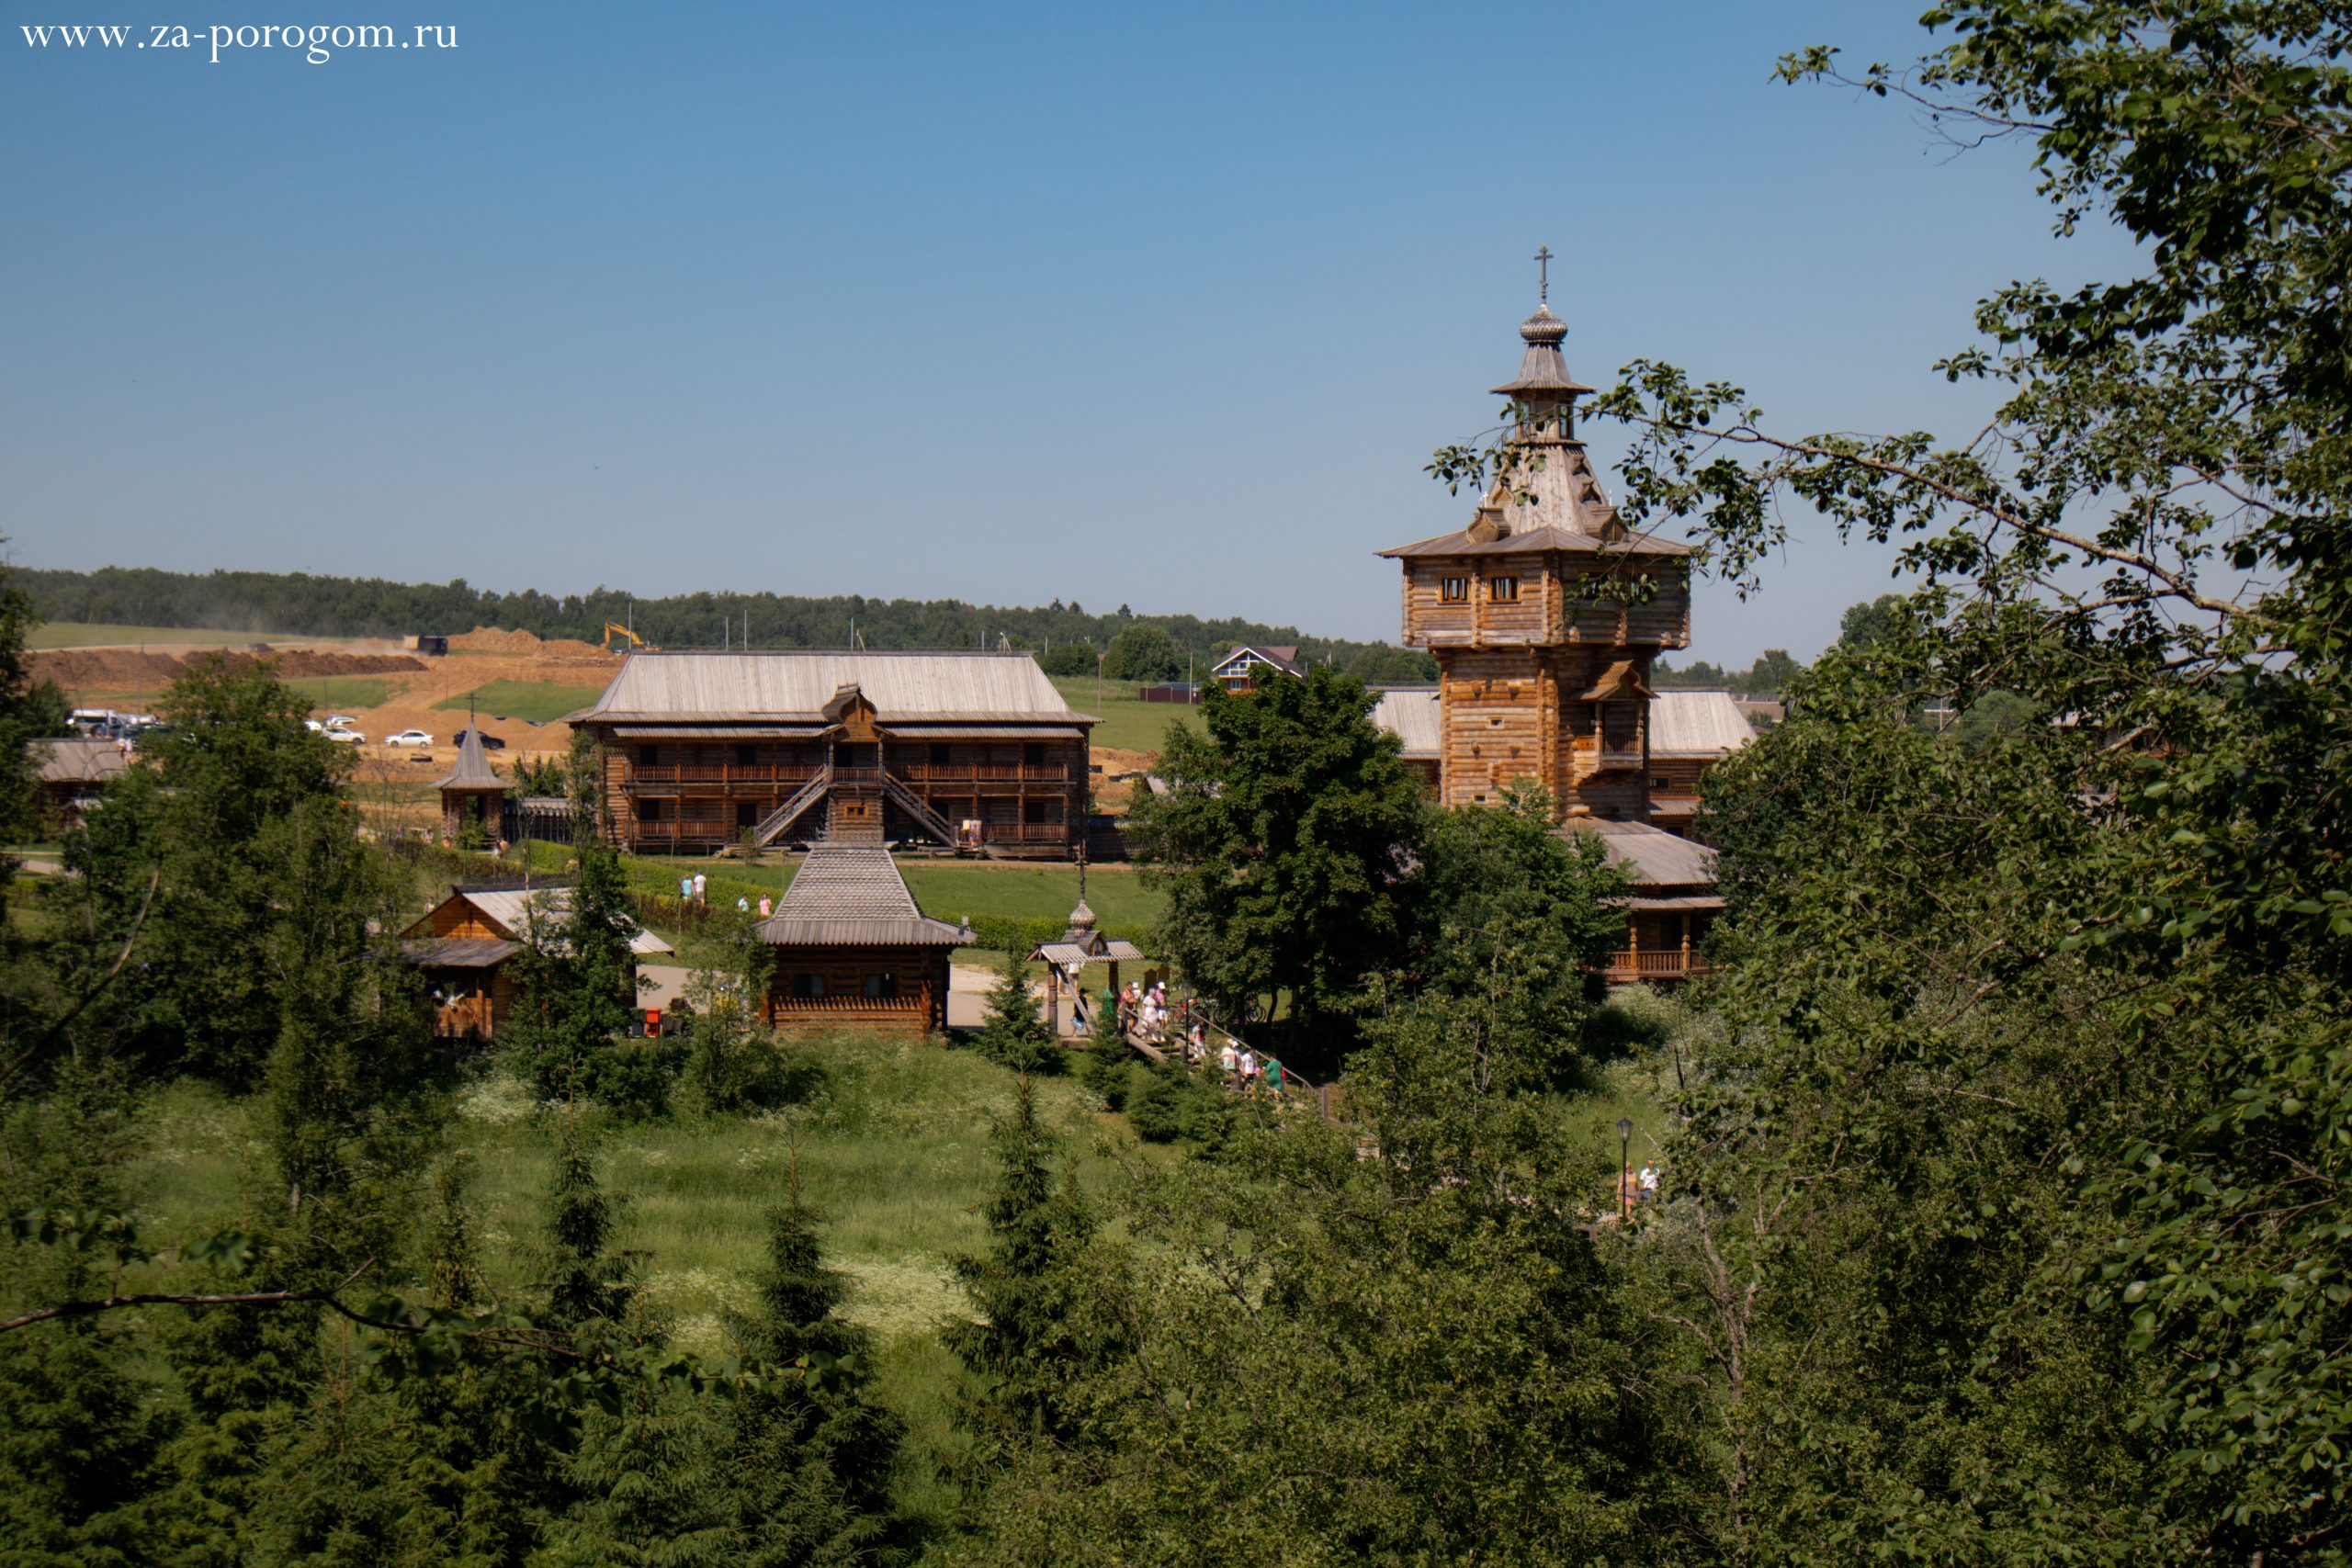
1544, 276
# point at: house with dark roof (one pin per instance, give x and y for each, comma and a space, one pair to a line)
1241, 669
853, 950
975, 752
464, 944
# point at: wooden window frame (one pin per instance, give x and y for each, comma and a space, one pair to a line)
1502, 590
808, 987
1454, 590
882, 986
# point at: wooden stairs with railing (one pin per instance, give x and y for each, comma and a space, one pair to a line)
914, 806
773, 825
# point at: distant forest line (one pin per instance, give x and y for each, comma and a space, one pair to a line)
348, 606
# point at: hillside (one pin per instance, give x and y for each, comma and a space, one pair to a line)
296, 604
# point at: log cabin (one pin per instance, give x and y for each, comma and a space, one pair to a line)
463, 943
1545, 613
1689, 732
70, 775
853, 950
472, 794
975, 752
1412, 714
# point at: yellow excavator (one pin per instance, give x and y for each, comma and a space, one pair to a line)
613, 629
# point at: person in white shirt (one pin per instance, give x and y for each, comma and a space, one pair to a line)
1228, 1059
702, 888
1648, 1181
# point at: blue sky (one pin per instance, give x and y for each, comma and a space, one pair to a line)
1003, 303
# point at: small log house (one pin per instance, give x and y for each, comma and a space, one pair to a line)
463, 943
472, 794
69, 775
853, 950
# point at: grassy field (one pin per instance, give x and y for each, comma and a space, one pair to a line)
538, 701
891, 1143
948, 890
1129, 723
60, 635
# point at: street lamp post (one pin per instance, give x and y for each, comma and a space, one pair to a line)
1624, 1166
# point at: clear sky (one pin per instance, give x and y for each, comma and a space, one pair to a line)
1006, 303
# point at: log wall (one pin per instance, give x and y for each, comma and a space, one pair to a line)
920, 1005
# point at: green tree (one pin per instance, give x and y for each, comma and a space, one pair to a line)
1511, 917
195, 840
1283, 845
1012, 1032
1375, 1343
1144, 651
806, 1450
2016, 1173
1030, 1339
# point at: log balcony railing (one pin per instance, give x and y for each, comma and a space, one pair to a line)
724, 772
1025, 833
913, 1006
1654, 963
983, 772
801, 772
702, 827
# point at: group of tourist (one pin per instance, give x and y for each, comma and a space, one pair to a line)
1143, 1010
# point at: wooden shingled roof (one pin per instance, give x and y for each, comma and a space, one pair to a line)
473, 770
804, 688
1658, 862
1697, 724
1413, 714
1547, 497
77, 759
851, 895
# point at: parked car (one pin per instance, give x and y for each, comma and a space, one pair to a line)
340, 721
346, 737
489, 742
409, 737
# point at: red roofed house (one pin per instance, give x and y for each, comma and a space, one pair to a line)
1239, 671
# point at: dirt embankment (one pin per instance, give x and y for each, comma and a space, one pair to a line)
1117, 785
126, 670
492, 639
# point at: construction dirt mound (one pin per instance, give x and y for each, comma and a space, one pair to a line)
126, 670
492, 639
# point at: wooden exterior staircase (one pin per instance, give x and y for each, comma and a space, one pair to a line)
773, 825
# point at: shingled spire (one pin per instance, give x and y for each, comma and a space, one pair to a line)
1544, 390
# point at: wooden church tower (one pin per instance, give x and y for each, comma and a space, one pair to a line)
1545, 613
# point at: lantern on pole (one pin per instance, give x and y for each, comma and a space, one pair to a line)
1624, 1166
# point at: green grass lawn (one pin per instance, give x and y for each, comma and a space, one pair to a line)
890, 1145
60, 635
1129, 723
538, 701
947, 890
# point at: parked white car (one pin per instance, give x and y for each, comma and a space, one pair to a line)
346, 737
409, 737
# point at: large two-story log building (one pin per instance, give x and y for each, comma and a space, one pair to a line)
974, 751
